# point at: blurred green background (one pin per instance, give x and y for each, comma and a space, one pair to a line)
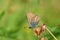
14, 24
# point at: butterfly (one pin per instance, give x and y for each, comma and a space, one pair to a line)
33, 20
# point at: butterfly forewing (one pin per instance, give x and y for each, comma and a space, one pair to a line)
29, 17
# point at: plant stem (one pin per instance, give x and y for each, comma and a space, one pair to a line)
51, 33
38, 37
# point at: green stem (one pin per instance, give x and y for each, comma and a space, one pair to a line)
51, 33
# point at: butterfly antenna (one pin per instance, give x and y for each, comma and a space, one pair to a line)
51, 33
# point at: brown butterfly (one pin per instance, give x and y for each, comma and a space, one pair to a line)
33, 20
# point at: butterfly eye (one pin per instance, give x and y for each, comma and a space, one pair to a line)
29, 27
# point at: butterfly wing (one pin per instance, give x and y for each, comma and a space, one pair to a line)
32, 19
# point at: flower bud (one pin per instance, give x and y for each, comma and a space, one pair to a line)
37, 31
43, 27
43, 38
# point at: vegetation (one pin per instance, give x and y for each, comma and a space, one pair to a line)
14, 24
